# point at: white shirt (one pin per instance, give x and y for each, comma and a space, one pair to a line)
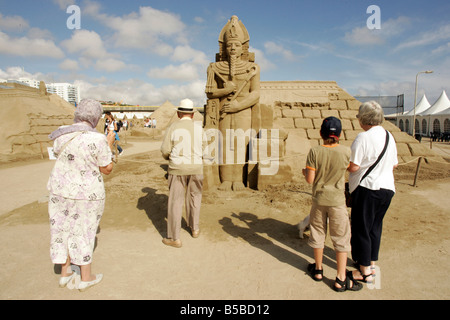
366, 148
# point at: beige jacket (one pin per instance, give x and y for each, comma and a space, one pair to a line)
183, 147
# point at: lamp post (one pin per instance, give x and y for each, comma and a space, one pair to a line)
415, 99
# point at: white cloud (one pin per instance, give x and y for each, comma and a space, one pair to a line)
427, 38
183, 72
37, 43
186, 53
86, 43
19, 72
63, 4
70, 65
90, 48
148, 29
275, 49
199, 19
363, 36
26, 47
444, 49
261, 60
109, 65
13, 23
135, 91
38, 33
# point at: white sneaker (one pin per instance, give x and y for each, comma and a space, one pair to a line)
84, 285
121, 152
63, 281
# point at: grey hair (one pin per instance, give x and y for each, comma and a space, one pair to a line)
89, 111
370, 113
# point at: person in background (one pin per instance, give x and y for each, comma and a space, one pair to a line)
111, 126
372, 194
185, 172
325, 170
77, 192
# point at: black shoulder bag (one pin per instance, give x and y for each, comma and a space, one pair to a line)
348, 195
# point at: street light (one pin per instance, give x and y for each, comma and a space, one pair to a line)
415, 99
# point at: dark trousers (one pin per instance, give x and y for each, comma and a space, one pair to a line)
368, 210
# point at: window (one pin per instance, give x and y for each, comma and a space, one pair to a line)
447, 126
424, 126
417, 127
436, 126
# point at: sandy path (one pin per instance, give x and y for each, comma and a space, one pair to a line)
27, 183
248, 248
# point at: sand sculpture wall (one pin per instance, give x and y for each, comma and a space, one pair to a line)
28, 116
299, 107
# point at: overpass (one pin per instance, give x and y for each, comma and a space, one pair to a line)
114, 108
147, 109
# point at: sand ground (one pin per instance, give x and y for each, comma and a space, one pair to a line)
248, 248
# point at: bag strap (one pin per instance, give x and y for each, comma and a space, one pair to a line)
379, 158
65, 144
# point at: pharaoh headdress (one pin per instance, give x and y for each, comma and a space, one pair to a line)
234, 30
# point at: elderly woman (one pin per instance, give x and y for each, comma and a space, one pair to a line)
372, 190
77, 192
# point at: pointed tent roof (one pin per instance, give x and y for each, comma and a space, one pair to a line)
422, 106
445, 112
440, 105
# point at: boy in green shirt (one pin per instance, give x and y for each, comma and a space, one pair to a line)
325, 170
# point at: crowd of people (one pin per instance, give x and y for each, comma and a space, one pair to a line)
77, 193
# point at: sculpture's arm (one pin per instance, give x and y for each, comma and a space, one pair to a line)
248, 101
212, 89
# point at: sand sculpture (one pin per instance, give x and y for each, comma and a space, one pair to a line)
28, 116
234, 111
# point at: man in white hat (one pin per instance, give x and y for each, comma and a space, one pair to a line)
182, 146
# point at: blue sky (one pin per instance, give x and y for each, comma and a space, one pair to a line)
147, 52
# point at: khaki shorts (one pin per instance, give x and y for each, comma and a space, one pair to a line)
339, 227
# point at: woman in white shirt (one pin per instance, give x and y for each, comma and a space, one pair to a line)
371, 193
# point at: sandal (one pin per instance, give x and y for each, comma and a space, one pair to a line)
356, 286
313, 272
343, 285
364, 277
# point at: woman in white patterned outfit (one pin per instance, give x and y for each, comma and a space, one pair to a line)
77, 193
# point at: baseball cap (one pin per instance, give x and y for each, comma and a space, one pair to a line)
331, 127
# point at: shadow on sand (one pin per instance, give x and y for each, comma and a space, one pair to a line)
279, 239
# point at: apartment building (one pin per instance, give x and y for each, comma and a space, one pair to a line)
67, 91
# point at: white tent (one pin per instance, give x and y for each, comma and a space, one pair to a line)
405, 121
421, 107
436, 118
440, 105
429, 118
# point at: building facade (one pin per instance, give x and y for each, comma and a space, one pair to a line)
67, 91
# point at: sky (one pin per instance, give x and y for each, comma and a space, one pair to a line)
148, 52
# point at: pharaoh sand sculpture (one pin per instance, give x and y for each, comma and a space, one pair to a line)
233, 91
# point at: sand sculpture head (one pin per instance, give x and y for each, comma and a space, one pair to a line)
234, 36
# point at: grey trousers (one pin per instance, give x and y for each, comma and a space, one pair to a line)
186, 189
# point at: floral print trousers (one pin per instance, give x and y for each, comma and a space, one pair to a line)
73, 227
